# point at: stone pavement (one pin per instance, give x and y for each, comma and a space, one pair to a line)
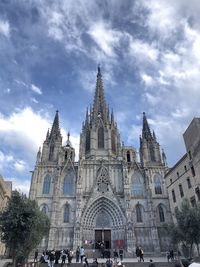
160, 260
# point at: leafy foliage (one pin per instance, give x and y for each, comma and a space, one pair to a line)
22, 225
187, 228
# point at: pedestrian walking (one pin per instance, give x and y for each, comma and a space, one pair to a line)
82, 253
121, 252
141, 254
36, 255
137, 253
77, 254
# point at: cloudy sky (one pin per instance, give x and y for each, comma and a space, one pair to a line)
149, 53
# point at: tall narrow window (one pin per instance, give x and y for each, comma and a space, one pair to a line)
139, 213
46, 185
66, 213
152, 154
173, 196
157, 184
51, 152
189, 183
128, 156
193, 171
87, 141
68, 184
181, 190
101, 137
113, 142
161, 213
137, 185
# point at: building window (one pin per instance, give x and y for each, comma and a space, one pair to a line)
185, 168
87, 141
68, 184
193, 171
157, 185
139, 213
193, 201
137, 185
101, 137
51, 152
190, 155
152, 154
128, 156
113, 142
197, 193
173, 196
181, 190
170, 181
46, 185
66, 213
161, 213
189, 183
177, 174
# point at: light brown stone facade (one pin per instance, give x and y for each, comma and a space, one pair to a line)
183, 180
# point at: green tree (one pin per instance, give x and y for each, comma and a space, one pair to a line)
187, 228
22, 226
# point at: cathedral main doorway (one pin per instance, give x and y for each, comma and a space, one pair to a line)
103, 237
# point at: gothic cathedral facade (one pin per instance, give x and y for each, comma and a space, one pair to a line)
108, 195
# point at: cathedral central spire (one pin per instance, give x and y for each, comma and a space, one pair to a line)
99, 105
146, 132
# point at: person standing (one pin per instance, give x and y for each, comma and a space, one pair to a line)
121, 252
141, 254
137, 252
36, 255
77, 254
63, 257
82, 253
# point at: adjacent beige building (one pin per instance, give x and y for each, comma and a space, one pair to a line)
5, 194
183, 179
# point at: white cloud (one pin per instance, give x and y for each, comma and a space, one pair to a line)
24, 130
5, 28
20, 166
22, 186
106, 38
148, 80
36, 89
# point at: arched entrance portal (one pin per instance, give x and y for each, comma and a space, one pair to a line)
103, 221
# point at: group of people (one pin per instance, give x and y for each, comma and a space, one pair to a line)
139, 254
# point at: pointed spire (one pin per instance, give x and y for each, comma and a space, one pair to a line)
112, 117
99, 106
68, 143
55, 130
39, 155
146, 133
164, 158
47, 136
154, 136
87, 117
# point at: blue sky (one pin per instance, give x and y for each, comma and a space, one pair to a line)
149, 53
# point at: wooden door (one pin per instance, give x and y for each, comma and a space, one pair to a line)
98, 238
107, 239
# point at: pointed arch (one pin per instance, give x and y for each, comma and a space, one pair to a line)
113, 141
68, 184
46, 184
101, 137
128, 156
137, 184
66, 213
139, 217
157, 184
44, 208
152, 153
161, 213
102, 180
